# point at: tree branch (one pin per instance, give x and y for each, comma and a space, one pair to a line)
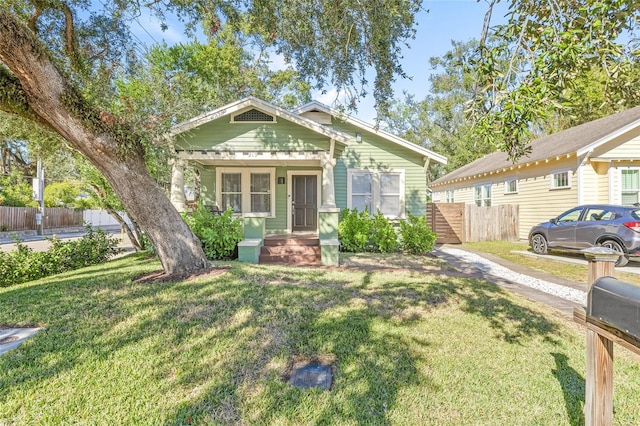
13, 99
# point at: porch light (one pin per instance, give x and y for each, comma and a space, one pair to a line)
359, 137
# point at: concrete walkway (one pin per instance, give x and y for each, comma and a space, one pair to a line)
561, 304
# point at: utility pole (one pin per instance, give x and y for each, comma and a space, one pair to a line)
38, 195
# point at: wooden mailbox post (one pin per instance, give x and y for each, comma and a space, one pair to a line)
600, 338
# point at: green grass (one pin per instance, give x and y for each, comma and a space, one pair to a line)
508, 250
423, 346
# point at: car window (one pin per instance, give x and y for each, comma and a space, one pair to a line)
635, 214
570, 216
599, 214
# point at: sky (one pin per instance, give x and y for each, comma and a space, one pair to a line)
440, 22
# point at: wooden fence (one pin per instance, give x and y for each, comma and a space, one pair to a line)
24, 218
456, 223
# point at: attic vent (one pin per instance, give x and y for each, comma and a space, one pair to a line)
253, 115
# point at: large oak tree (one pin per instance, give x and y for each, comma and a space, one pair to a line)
58, 60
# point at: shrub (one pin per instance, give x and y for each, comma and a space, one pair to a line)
416, 235
383, 237
218, 234
23, 264
354, 230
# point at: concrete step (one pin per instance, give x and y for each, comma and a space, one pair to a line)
291, 259
271, 242
290, 250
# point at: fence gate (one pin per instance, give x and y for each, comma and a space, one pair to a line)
447, 220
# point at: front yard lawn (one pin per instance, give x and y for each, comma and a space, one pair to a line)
416, 346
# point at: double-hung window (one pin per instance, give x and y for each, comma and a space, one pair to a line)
449, 196
560, 180
630, 186
232, 191
482, 194
246, 190
376, 190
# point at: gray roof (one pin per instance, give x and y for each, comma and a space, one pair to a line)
569, 141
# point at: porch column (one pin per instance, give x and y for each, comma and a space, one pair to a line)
328, 188
177, 185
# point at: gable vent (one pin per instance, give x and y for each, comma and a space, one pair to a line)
253, 115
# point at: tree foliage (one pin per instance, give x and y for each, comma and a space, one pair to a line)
554, 48
439, 120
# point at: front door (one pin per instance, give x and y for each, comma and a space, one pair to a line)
304, 203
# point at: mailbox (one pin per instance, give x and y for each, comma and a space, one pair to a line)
616, 303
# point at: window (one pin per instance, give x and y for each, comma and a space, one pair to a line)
630, 183
376, 191
246, 190
448, 195
361, 191
598, 214
482, 194
511, 186
232, 191
260, 192
560, 180
570, 216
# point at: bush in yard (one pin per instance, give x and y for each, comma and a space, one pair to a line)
416, 235
23, 264
219, 234
354, 230
383, 237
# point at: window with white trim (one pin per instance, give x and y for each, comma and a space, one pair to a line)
560, 180
630, 186
231, 191
511, 186
482, 194
247, 190
448, 196
376, 190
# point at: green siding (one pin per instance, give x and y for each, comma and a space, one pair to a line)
377, 153
222, 135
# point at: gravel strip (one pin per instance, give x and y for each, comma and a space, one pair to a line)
493, 268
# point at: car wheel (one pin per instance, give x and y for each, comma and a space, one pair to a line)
539, 244
615, 246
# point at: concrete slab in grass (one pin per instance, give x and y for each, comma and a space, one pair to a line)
11, 338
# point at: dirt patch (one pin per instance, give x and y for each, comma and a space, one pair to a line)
160, 276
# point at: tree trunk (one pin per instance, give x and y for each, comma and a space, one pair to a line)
125, 227
54, 102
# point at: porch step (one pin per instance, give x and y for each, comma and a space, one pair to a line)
291, 251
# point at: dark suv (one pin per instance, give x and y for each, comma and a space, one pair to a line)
615, 227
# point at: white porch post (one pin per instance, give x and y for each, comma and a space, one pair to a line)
328, 187
177, 185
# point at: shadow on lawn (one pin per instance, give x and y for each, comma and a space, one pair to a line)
221, 345
573, 388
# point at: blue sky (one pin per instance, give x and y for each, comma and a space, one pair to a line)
446, 20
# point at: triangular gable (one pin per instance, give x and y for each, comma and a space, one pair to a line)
249, 103
320, 107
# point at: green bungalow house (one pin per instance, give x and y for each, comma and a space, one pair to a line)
289, 173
